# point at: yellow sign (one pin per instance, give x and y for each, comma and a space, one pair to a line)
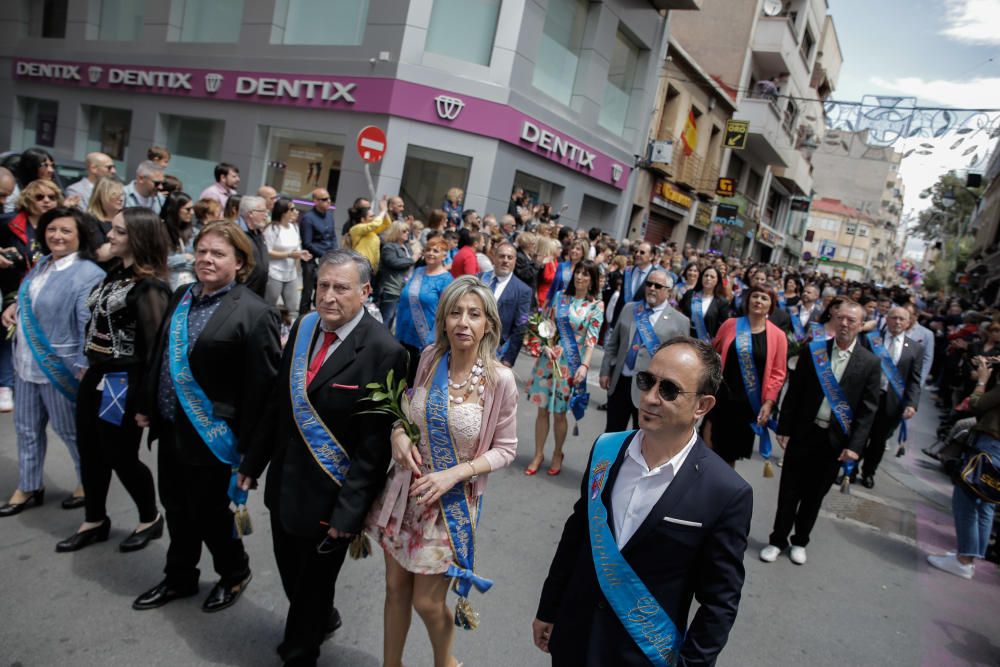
672, 195
726, 187
736, 134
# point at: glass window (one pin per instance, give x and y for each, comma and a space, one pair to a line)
321, 22
298, 162
538, 190
40, 120
559, 51
463, 29
121, 20
618, 89
196, 147
48, 19
215, 21
428, 174
108, 132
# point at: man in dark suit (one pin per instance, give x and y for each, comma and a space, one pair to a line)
622, 343
252, 220
679, 516
513, 301
314, 515
634, 279
907, 357
233, 348
815, 443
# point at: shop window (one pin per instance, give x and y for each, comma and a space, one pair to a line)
596, 212
463, 29
119, 20
428, 174
213, 21
558, 55
196, 147
320, 22
108, 132
537, 190
40, 118
299, 162
618, 89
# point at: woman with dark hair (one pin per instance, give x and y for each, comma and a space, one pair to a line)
50, 317
35, 164
754, 355
232, 209
436, 221
126, 311
284, 247
578, 313
689, 278
705, 305
464, 262
792, 293
178, 217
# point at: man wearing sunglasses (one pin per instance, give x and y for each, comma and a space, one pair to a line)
634, 278
628, 348
145, 189
676, 529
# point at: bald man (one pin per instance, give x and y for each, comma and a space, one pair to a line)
8, 186
269, 195
319, 236
99, 165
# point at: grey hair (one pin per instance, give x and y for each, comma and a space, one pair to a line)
147, 168
249, 203
711, 363
342, 256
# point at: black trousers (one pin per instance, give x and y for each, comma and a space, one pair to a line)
808, 470
308, 286
196, 501
620, 407
411, 364
882, 429
309, 579
105, 447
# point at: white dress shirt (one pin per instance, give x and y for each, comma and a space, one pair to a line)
637, 488
894, 345
502, 282
706, 301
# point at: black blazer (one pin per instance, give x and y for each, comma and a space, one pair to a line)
718, 312
860, 383
677, 563
910, 365
235, 361
302, 494
257, 280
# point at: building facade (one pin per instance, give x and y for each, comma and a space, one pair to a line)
841, 238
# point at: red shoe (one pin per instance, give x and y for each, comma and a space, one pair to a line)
529, 471
553, 471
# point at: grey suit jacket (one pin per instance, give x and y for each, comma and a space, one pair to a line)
670, 323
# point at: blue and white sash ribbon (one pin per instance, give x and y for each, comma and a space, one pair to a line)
645, 620
751, 383
698, 317
839, 407
567, 339
454, 504
782, 303
892, 375
329, 453
44, 354
645, 335
817, 331
800, 331
417, 310
215, 432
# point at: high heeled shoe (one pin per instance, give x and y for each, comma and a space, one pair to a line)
553, 471
529, 471
34, 499
85, 538
139, 539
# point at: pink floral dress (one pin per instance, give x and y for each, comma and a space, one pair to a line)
416, 535
585, 318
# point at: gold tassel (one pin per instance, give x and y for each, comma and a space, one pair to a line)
465, 616
845, 486
361, 547
241, 522
768, 469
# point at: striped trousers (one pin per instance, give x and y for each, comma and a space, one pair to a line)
34, 406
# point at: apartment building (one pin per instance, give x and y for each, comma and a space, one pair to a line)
841, 238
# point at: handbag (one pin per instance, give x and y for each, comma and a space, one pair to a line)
981, 478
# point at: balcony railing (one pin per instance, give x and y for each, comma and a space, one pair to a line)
691, 170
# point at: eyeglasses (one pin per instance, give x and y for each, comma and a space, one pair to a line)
651, 285
641, 252
259, 210
43, 196
667, 389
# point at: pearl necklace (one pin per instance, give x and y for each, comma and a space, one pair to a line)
475, 380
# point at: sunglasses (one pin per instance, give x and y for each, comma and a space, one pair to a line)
651, 285
43, 196
667, 389
159, 184
322, 199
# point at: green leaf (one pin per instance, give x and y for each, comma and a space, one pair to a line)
373, 385
388, 378
379, 396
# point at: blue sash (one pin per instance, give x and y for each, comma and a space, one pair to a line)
781, 300
627, 291
417, 310
329, 453
568, 340
751, 382
454, 504
698, 317
644, 335
817, 331
800, 331
891, 374
45, 356
649, 626
831, 388
215, 433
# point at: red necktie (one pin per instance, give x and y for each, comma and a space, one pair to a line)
317, 362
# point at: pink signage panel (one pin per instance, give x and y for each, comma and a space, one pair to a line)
339, 93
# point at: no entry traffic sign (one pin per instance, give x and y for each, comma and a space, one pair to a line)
371, 143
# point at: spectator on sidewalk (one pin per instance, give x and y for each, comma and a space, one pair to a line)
145, 189
98, 166
227, 179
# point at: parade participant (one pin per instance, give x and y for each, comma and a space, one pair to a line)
705, 305
917, 332
806, 311
214, 364
513, 299
578, 313
327, 462
397, 261
825, 419
754, 356
670, 525
578, 250
465, 405
689, 278
632, 343
126, 310
634, 278
284, 248
319, 236
899, 395
419, 301
51, 317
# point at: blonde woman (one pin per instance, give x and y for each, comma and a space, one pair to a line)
452, 206
107, 199
465, 404
396, 262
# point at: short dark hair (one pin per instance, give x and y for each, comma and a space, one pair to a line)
711, 363
467, 213
223, 168
86, 230
595, 280
31, 161
148, 241
464, 238
763, 289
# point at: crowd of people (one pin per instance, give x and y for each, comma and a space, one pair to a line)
243, 332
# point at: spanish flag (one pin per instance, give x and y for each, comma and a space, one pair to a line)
690, 134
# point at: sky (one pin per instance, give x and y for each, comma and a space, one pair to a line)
943, 52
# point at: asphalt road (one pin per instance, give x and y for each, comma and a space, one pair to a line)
865, 597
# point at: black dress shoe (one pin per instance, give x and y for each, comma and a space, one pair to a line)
222, 597
603, 407
333, 623
901, 452
140, 538
35, 498
87, 537
74, 502
161, 594
868, 481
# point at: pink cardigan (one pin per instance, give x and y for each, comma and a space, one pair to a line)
497, 435
776, 364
